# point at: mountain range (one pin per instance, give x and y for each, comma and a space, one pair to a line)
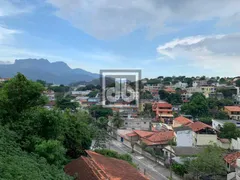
51, 72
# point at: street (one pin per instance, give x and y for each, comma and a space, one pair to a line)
152, 170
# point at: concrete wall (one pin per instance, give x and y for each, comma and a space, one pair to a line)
184, 138
235, 144
223, 145
205, 139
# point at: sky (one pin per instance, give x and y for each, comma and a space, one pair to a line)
160, 37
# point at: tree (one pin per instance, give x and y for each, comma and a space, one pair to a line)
146, 95
17, 95
163, 94
117, 121
99, 111
227, 93
174, 99
93, 94
65, 103
238, 83
102, 123
77, 135
197, 107
229, 131
222, 81
17, 164
208, 162
42, 82
53, 151
189, 81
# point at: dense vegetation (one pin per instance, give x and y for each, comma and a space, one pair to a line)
35, 142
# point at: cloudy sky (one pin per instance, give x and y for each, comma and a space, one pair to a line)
161, 37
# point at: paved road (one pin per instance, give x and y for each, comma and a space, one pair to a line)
151, 169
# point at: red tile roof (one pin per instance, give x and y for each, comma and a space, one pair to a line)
182, 120
197, 126
169, 90
161, 136
162, 104
143, 133
99, 167
232, 108
232, 158
131, 134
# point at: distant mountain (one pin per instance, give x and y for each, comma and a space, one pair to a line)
56, 72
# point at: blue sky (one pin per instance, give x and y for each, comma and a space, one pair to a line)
158, 36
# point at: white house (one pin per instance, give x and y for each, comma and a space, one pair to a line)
184, 136
216, 123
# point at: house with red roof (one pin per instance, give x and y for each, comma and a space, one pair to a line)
203, 134
181, 121
164, 112
233, 165
233, 112
95, 166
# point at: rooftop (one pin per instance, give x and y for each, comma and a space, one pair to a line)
232, 108
197, 126
182, 120
186, 151
232, 158
98, 167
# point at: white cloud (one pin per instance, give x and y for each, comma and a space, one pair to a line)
14, 7
220, 53
7, 35
111, 18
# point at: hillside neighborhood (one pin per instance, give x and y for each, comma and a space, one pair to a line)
181, 125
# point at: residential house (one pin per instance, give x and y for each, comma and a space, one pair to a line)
169, 90
181, 121
203, 134
206, 90
186, 96
95, 166
4, 79
50, 95
137, 123
143, 102
233, 112
178, 151
50, 104
217, 124
80, 93
163, 111
232, 163
216, 95
151, 87
180, 85
137, 138
184, 136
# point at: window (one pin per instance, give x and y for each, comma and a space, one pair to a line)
144, 122
126, 123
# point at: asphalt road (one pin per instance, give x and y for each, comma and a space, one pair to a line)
152, 170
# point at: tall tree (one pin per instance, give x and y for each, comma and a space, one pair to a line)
197, 107
117, 121
18, 95
229, 131
209, 162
